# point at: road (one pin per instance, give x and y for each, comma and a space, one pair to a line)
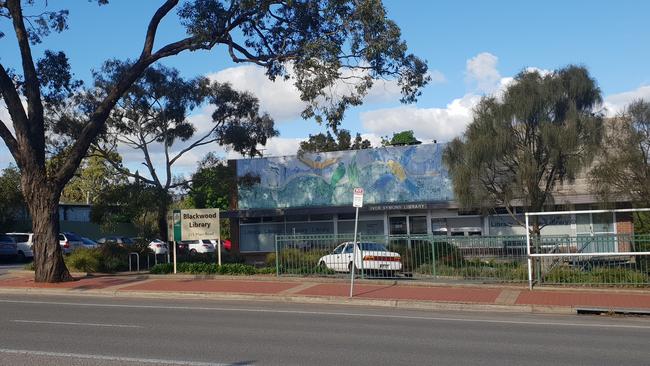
6, 265
82, 330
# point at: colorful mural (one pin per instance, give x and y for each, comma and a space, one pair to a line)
388, 175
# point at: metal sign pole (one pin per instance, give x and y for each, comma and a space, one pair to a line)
354, 251
357, 201
530, 261
175, 256
219, 252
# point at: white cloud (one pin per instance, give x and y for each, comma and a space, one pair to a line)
281, 99
442, 124
481, 72
616, 103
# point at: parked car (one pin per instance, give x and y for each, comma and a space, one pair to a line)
225, 244
70, 241
158, 246
8, 247
120, 240
24, 243
89, 243
199, 246
375, 257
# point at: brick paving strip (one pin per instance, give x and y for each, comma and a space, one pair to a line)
509, 298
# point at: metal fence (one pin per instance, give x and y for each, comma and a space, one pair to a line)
556, 260
498, 259
604, 259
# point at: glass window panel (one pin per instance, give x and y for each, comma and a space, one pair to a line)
259, 237
397, 225
418, 225
603, 222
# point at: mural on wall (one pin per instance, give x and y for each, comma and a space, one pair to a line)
388, 175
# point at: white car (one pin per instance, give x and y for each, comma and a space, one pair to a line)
375, 257
158, 246
199, 246
24, 243
70, 241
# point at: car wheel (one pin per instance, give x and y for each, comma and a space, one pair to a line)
21, 257
193, 252
322, 266
350, 265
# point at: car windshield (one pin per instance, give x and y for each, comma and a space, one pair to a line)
127, 241
375, 247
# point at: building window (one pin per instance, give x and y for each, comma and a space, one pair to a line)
418, 225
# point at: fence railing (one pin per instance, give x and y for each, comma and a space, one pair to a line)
556, 260
499, 259
601, 259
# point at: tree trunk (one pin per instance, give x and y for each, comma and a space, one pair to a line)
163, 207
48, 257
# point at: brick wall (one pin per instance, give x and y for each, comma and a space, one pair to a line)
624, 227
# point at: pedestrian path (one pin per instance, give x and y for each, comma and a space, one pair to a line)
506, 297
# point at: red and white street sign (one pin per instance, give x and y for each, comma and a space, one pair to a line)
357, 198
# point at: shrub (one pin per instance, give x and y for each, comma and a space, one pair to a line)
209, 268
84, 260
163, 268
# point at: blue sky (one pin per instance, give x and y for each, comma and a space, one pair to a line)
472, 48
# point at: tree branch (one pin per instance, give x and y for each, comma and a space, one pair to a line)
200, 142
9, 139
32, 84
16, 112
153, 26
106, 156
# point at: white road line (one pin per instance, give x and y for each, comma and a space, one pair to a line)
71, 323
106, 358
346, 314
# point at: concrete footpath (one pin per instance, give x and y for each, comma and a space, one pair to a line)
398, 294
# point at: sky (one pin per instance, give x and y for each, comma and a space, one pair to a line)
473, 48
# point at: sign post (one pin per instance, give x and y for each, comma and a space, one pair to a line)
195, 224
357, 201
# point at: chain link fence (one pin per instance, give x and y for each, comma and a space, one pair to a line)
566, 260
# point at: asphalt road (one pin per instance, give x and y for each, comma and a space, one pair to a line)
81, 330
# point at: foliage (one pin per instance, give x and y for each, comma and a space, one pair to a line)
595, 276
622, 170
128, 202
94, 176
520, 146
212, 184
107, 258
400, 139
341, 140
296, 261
84, 260
641, 223
11, 198
232, 269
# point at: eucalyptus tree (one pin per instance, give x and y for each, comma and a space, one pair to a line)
543, 130
622, 170
322, 41
152, 117
341, 140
